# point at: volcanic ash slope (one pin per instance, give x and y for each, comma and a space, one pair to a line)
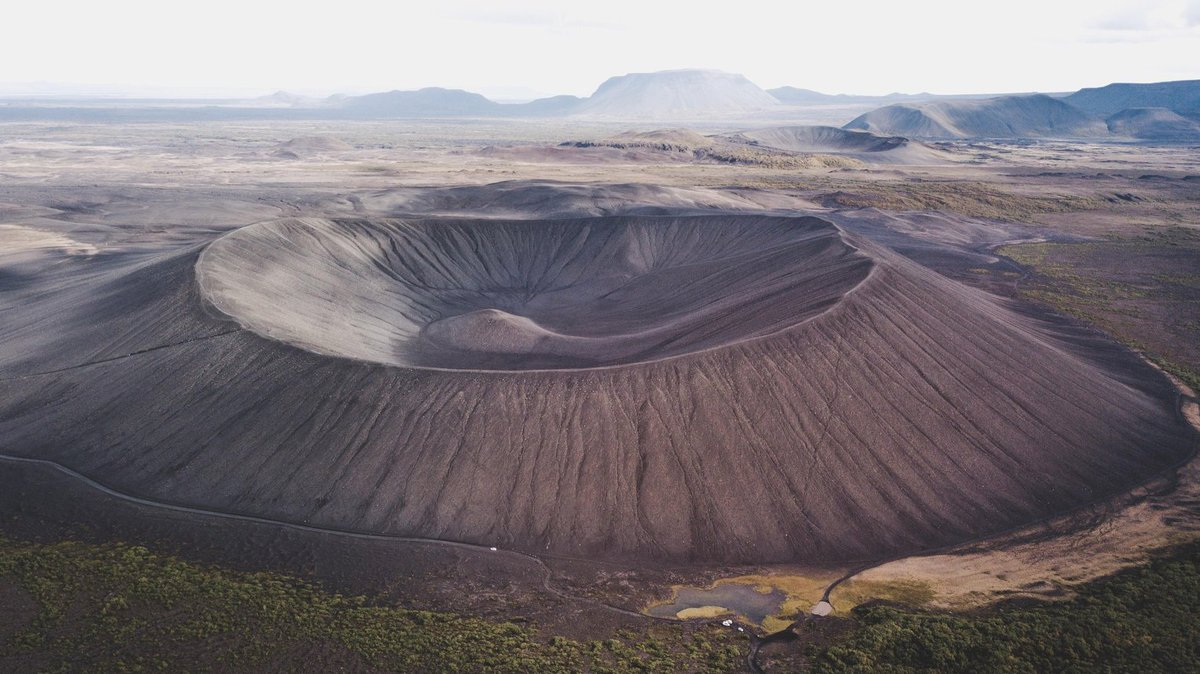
705, 389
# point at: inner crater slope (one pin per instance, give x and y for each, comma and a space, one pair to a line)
528, 295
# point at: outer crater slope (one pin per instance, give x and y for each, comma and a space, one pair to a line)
715, 389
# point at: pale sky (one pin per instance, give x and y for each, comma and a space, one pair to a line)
524, 48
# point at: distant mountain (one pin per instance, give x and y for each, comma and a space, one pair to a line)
686, 96
797, 96
807, 97
547, 107
672, 94
1035, 116
285, 99
1182, 97
428, 102
679, 94
1153, 124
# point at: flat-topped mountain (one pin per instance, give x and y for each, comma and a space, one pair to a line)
1182, 96
677, 94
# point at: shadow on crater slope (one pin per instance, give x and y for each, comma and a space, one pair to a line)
681, 389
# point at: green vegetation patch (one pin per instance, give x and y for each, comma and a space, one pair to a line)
972, 199
123, 608
1142, 290
907, 592
1144, 620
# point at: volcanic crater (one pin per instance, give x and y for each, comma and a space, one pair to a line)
527, 295
713, 389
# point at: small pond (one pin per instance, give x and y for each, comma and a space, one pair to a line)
744, 600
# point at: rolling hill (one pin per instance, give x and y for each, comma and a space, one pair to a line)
1153, 124
862, 145
428, 102
1034, 116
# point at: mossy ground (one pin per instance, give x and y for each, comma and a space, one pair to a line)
856, 592
1143, 290
801, 592
117, 607
1143, 620
973, 199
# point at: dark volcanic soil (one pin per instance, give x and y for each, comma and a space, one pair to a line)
47, 506
764, 389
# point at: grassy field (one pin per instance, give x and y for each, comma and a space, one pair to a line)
74, 606
1144, 620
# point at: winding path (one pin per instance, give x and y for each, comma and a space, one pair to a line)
547, 582
756, 641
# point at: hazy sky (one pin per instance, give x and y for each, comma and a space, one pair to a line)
522, 48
